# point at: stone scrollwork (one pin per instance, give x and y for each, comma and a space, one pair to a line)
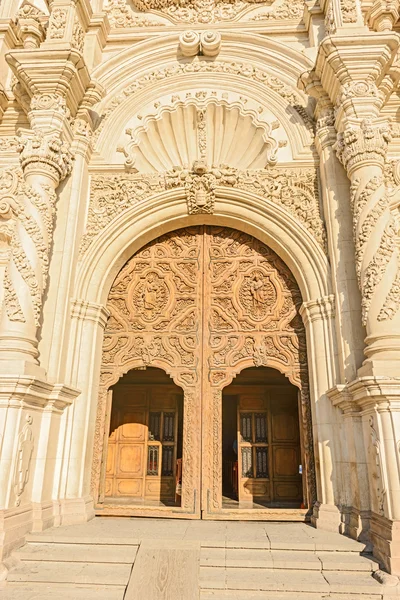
294, 189
374, 226
184, 11
27, 223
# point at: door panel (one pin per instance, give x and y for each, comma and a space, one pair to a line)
202, 304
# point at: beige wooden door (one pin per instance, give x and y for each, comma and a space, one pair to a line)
142, 446
268, 448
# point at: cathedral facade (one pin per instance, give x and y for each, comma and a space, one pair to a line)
200, 299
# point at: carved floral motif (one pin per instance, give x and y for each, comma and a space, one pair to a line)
294, 189
195, 11
57, 24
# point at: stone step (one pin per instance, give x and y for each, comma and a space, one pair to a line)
258, 595
71, 572
285, 559
44, 591
92, 540
87, 553
234, 579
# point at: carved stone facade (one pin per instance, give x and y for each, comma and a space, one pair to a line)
202, 186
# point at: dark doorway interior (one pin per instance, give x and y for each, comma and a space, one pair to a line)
229, 447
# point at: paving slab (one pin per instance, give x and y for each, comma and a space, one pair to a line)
265, 580
212, 557
346, 561
212, 578
165, 573
300, 560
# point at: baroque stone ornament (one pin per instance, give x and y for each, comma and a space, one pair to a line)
213, 131
295, 189
30, 223
202, 65
156, 306
23, 460
377, 254
184, 11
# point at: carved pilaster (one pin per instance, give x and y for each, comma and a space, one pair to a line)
358, 90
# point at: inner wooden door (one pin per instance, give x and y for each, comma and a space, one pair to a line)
268, 446
143, 443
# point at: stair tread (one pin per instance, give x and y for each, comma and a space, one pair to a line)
68, 572
99, 553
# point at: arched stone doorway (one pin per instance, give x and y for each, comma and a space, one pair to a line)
202, 304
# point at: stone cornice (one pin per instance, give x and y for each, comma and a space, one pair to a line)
49, 72
29, 391
356, 81
366, 394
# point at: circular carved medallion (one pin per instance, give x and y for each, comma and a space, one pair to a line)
257, 295
150, 296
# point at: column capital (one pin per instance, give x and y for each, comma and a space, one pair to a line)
319, 309
357, 82
90, 311
45, 153
364, 142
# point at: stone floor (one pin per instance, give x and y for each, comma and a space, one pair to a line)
154, 559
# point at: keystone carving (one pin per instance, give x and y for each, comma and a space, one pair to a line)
192, 43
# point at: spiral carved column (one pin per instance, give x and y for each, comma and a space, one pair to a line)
31, 200
362, 150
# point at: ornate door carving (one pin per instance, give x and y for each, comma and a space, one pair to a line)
204, 303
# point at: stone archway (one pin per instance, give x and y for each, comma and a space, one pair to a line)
203, 303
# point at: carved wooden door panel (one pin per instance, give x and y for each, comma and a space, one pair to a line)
204, 303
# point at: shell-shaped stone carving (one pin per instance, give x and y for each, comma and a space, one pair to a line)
215, 132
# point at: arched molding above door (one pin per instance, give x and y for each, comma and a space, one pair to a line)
167, 211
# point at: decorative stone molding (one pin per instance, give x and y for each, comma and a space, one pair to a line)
383, 15
242, 70
31, 25
294, 189
189, 43
202, 116
288, 10
210, 43
23, 460
47, 150
366, 143
120, 15
192, 43
200, 184
57, 24
199, 11
358, 148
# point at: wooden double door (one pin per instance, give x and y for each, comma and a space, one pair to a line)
204, 305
